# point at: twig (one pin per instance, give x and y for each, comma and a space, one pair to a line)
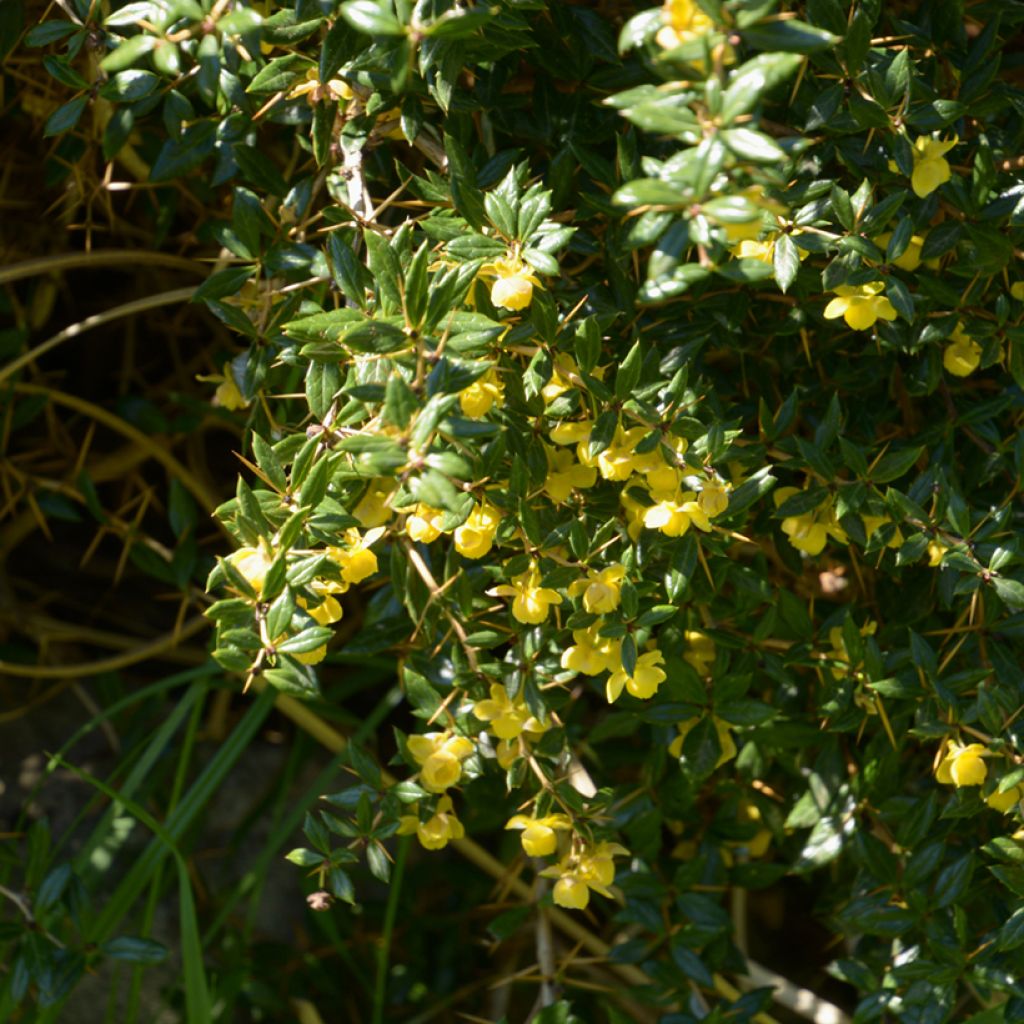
127, 259
111, 664
128, 309
144, 442
545, 949
428, 577
801, 1001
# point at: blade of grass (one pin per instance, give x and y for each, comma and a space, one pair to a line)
179, 679
184, 759
152, 750
140, 873
380, 989
197, 998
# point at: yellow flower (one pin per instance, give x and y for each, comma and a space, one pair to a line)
434, 833
601, 590
635, 513
565, 375
809, 531
751, 249
700, 651
910, 258
618, 460
644, 681
373, 509
1007, 801
482, 395
714, 497
539, 838
531, 601
440, 756
592, 653
763, 250
310, 87
598, 867
839, 651
936, 549
872, 523
860, 305
566, 475
579, 872
684, 22
571, 891
356, 559
508, 718
1017, 291
571, 431
329, 609
475, 537
962, 354
750, 814
313, 657
963, 765
253, 564
227, 395
424, 523
673, 516
725, 740
663, 481
930, 167
514, 282
749, 230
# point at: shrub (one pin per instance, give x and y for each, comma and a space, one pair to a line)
654, 375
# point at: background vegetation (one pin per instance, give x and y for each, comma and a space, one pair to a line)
628, 397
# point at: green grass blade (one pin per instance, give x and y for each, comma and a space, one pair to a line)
184, 814
141, 770
197, 999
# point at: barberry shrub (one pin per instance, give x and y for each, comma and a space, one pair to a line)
649, 380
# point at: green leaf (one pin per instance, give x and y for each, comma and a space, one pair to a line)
280, 74
1011, 933
898, 75
179, 156
628, 374
789, 36
65, 117
1011, 592
48, 32
709, 160
377, 860
294, 679
749, 83
953, 880
755, 146
128, 53
135, 950
304, 858
785, 262
941, 239
556, 1013
59, 68
901, 298
372, 18
893, 465
323, 381
462, 181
